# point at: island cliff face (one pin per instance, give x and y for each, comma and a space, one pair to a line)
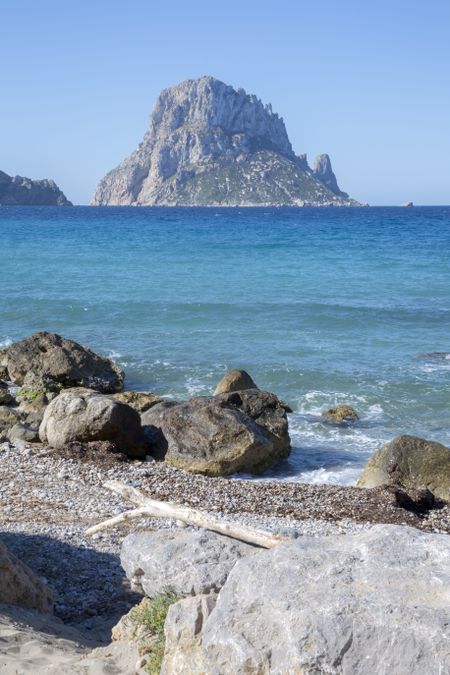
211, 145
21, 191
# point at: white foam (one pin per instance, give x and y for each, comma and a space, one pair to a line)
347, 475
5, 343
315, 401
112, 354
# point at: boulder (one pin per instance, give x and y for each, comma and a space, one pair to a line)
266, 410
341, 414
51, 361
139, 400
234, 380
374, 602
412, 462
187, 562
20, 586
84, 415
207, 435
24, 432
182, 630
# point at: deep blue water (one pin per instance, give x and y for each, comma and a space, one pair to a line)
321, 306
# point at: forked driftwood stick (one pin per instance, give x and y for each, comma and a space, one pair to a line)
186, 514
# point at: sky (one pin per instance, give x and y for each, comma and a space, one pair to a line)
367, 82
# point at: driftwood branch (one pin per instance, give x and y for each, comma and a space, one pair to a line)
186, 514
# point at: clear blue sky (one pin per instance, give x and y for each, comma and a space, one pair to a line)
366, 81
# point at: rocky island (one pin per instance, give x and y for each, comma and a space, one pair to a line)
21, 191
212, 145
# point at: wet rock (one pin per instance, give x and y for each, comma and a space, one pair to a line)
20, 586
187, 562
235, 380
341, 414
50, 361
411, 462
84, 415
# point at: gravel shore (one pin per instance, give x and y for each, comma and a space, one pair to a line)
49, 498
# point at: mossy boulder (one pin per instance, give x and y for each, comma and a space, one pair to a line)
340, 414
411, 462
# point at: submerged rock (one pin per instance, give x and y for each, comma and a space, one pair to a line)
341, 414
83, 415
187, 562
235, 380
374, 602
20, 586
411, 462
47, 360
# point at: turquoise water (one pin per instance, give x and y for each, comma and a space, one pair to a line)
321, 306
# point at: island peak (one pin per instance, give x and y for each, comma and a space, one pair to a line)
209, 144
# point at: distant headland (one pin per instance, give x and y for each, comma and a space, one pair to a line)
21, 191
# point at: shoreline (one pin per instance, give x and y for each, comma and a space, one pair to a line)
51, 497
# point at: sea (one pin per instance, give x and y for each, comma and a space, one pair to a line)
321, 306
